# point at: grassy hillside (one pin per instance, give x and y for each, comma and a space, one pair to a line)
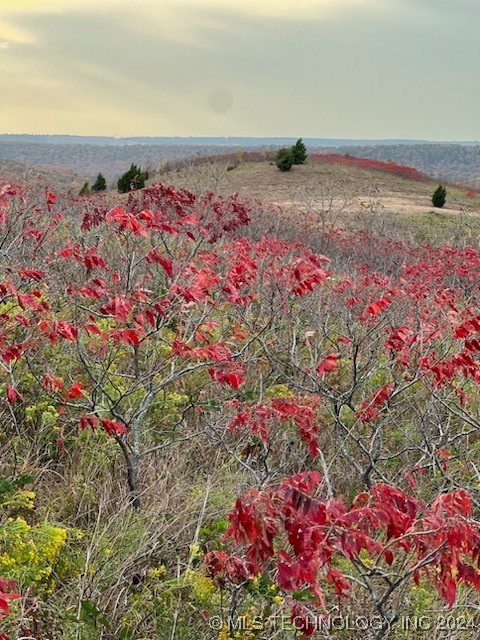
339, 189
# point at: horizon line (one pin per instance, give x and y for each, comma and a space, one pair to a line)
238, 137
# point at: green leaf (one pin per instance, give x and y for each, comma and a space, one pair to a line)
91, 615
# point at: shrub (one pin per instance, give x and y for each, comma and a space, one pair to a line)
439, 196
85, 190
132, 179
29, 553
299, 152
100, 183
284, 159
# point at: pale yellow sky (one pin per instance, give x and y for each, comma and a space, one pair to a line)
326, 68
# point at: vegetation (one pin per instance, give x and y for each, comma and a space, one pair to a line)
100, 183
209, 426
371, 165
453, 162
439, 196
85, 190
284, 159
299, 152
132, 179
456, 163
85, 159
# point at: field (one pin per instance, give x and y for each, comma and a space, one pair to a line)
246, 416
345, 193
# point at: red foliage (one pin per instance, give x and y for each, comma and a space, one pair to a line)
224, 568
172, 303
370, 164
7, 593
112, 427
261, 418
234, 376
304, 534
328, 364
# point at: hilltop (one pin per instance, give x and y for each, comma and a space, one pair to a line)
88, 158
347, 190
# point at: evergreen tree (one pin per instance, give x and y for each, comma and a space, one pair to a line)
100, 183
284, 159
85, 190
439, 196
299, 152
132, 179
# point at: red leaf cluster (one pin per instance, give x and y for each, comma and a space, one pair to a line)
304, 534
262, 418
7, 593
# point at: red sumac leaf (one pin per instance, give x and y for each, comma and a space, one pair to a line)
112, 427
328, 364
76, 391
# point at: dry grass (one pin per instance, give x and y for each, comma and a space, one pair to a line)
350, 194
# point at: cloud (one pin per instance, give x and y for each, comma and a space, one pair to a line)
449, 6
198, 67
11, 33
279, 9
292, 8
179, 20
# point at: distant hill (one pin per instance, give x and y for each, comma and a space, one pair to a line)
88, 159
18, 172
86, 156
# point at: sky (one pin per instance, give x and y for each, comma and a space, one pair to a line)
310, 68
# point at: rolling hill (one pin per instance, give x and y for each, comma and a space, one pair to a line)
457, 162
346, 190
